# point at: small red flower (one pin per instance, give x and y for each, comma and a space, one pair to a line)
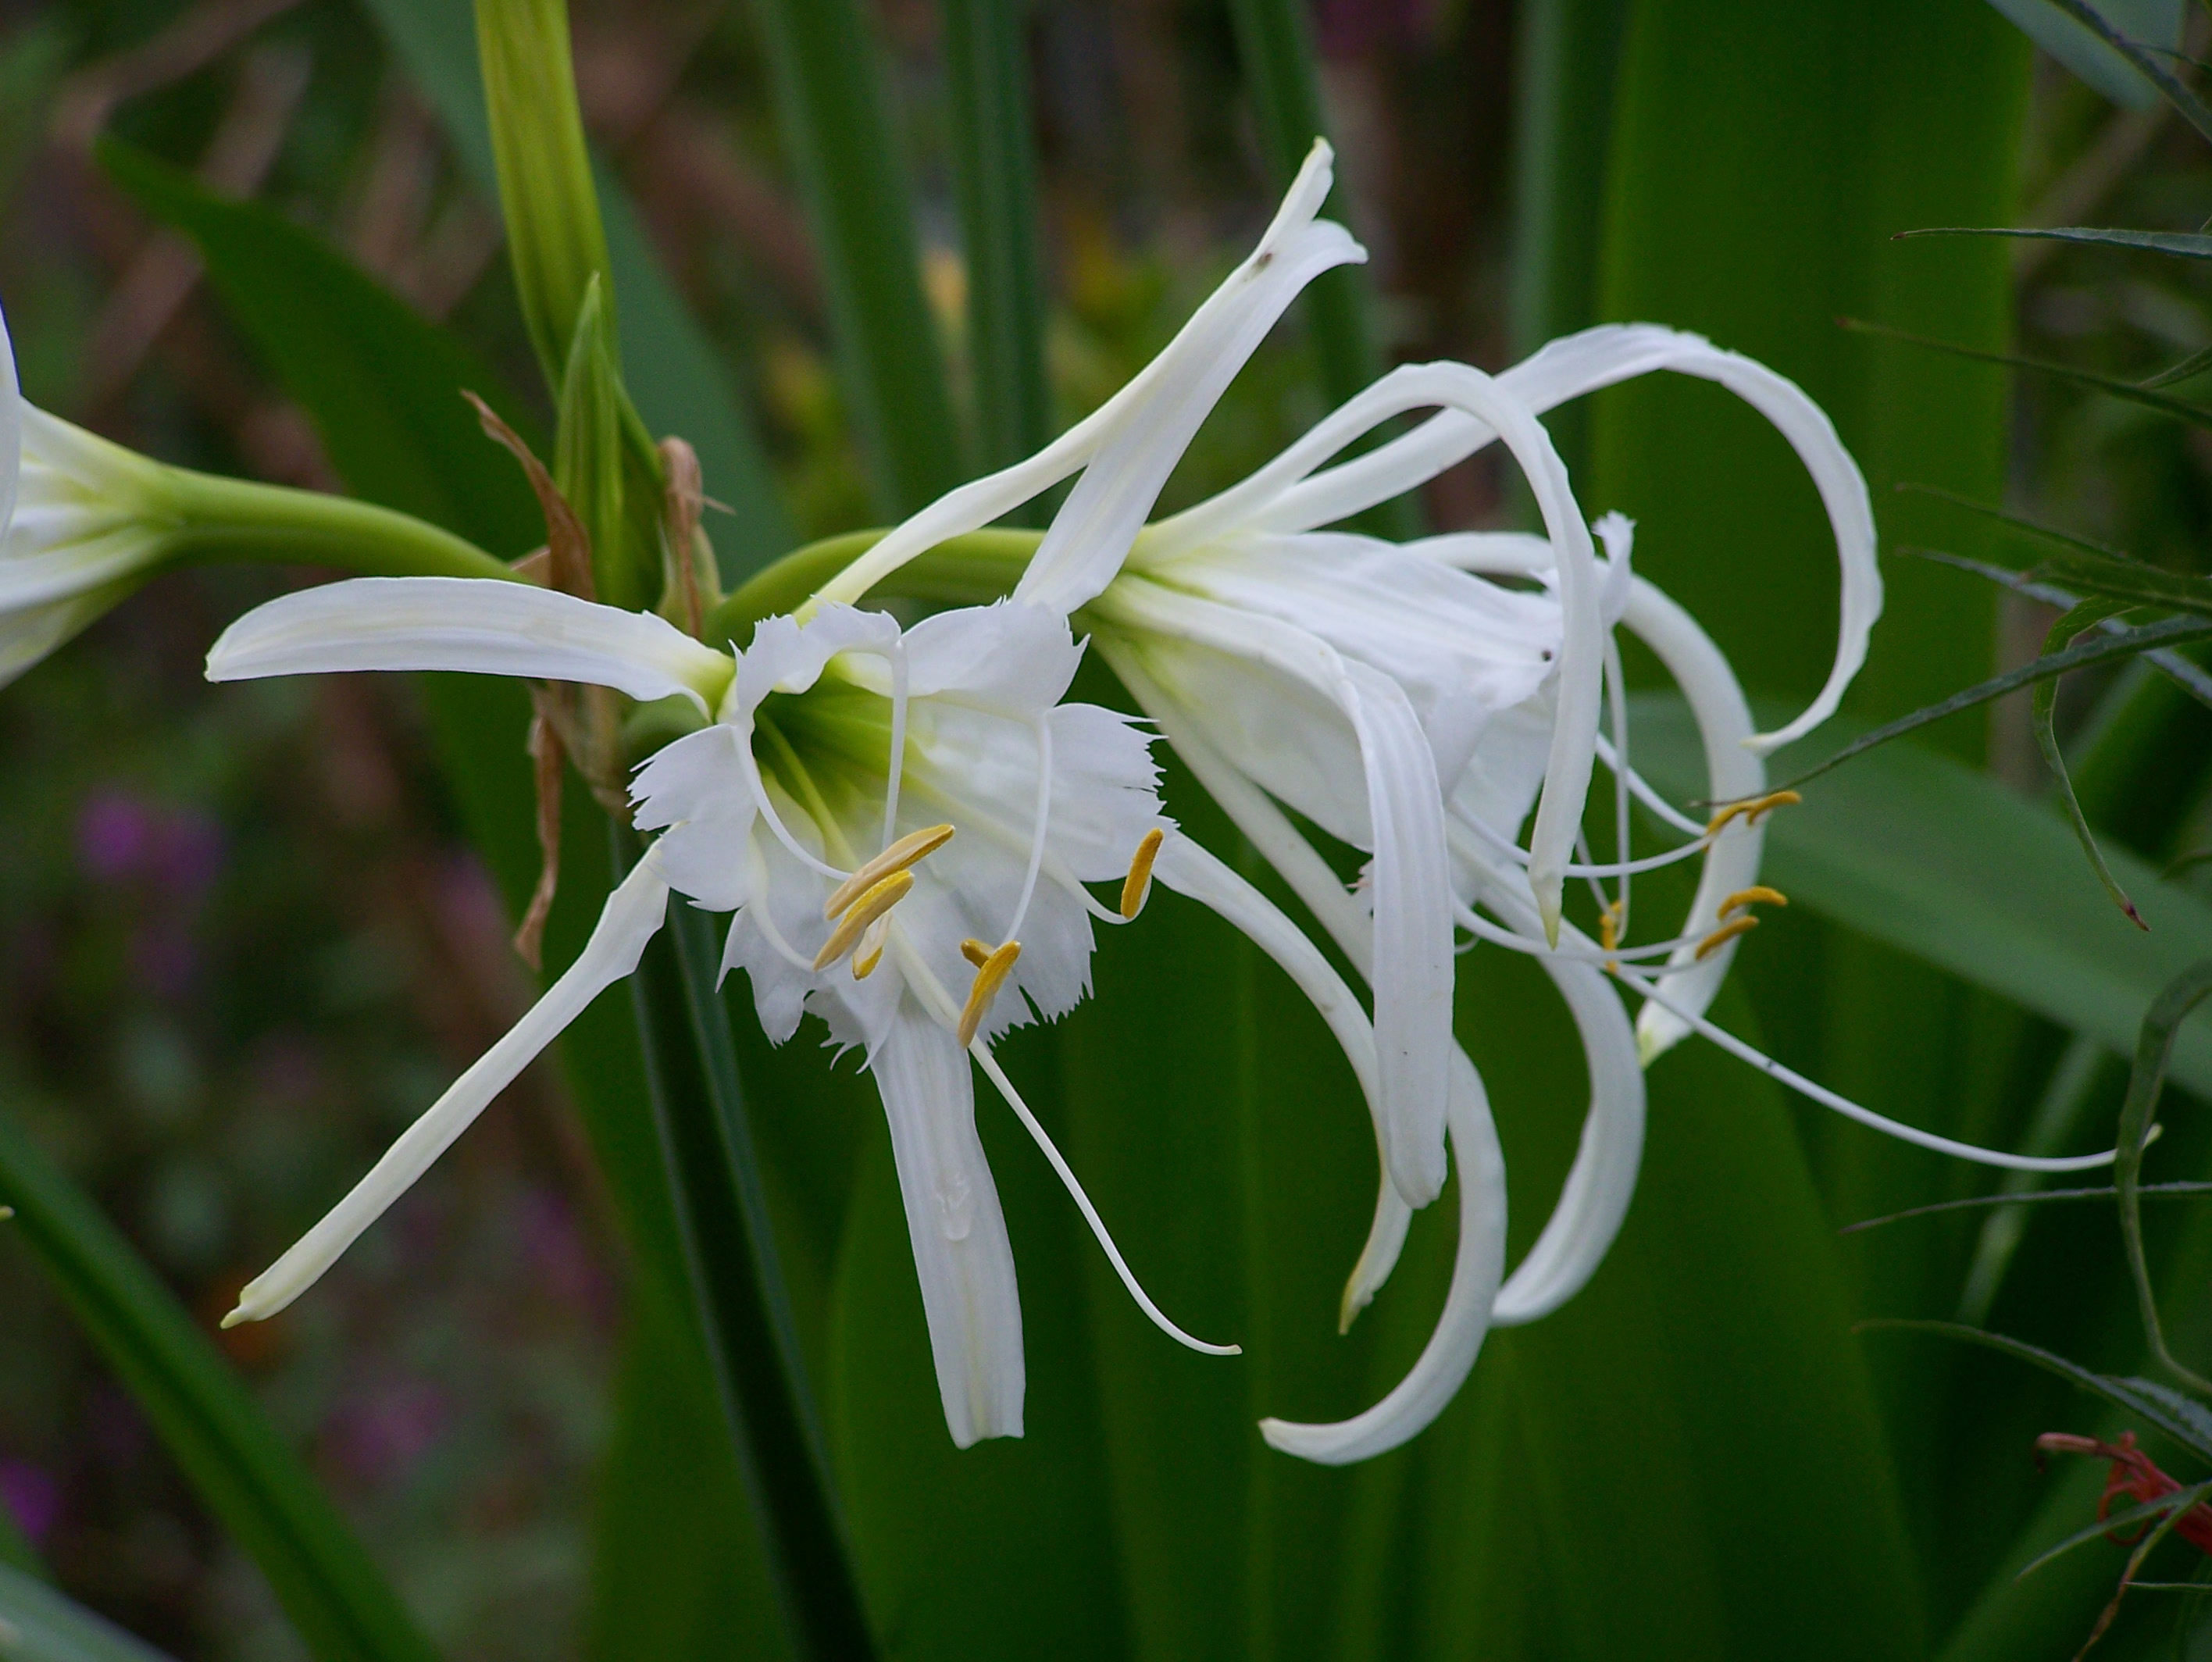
2133, 1474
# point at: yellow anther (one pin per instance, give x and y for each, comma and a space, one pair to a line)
1751, 810
990, 976
1609, 931
870, 952
863, 911
1758, 893
1727, 932
1140, 872
900, 855
975, 952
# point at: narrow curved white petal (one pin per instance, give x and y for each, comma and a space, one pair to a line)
955, 1227
1475, 404
1175, 390
30, 635
11, 427
1190, 871
479, 625
1411, 882
632, 915
1449, 1355
1294, 860
1732, 773
1602, 1180
1298, 499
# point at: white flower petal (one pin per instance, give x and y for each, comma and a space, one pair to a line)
1569, 368
1734, 772
471, 624
11, 427
953, 1220
30, 635
1602, 1180
1411, 882
633, 914
788, 655
1180, 383
1448, 1356
1491, 407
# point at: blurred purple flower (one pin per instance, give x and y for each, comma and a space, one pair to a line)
559, 1256
32, 1497
379, 1435
114, 829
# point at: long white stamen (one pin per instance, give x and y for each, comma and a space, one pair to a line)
1043, 820
897, 658
1513, 851
758, 786
1616, 687
1648, 794
1851, 1110
981, 1052
1534, 946
764, 914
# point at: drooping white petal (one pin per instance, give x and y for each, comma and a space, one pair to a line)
30, 635
1569, 368
1483, 404
1602, 1180
479, 625
1175, 390
955, 1227
1448, 1356
633, 913
1734, 772
11, 427
1412, 973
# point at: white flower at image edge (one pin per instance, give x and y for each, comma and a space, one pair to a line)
79, 524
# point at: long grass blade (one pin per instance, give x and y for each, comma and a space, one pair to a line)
2180, 409
2188, 1423
2171, 665
2189, 244
335, 1597
986, 80
714, 1171
2027, 1198
2186, 104
831, 104
2085, 616
2173, 631
2154, 1054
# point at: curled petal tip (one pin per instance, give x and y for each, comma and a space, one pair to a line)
1548, 905
1651, 1043
235, 1318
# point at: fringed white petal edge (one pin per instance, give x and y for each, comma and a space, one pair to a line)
479, 625
633, 914
1449, 1355
956, 1227
1208, 350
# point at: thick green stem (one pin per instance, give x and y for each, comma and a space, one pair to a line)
714, 1176
217, 519
973, 570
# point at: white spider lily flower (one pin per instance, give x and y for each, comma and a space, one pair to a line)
82, 522
1506, 684
903, 821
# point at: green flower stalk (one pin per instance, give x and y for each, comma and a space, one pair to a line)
84, 522
554, 238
